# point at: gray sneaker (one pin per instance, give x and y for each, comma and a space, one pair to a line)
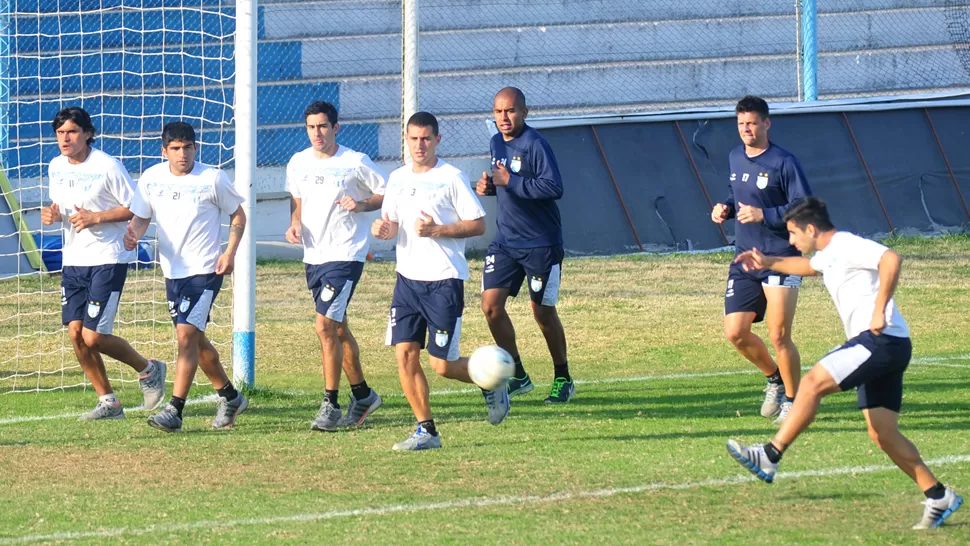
419, 441
328, 418
168, 419
358, 410
228, 410
774, 396
153, 386
783, 413
498, 405
104, 411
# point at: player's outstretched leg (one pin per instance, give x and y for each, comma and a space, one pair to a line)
151, 373
754, 459
363, 399
503, 332
496, 401
231, 403
415, 386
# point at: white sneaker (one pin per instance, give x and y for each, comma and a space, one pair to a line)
104, 411
419, 441
783, 412
774, 396
754, 459
937, 510
153, 386
498, 405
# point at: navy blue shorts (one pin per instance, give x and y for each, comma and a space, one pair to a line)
423, 309
91, 294
332, 285
190, 299
745, 290
507, 267
874, 364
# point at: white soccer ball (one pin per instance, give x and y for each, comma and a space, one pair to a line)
490, 367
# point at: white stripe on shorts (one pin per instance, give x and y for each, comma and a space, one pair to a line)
338, 308
107, 321
841, 363
551, 296
199, 315
454, 352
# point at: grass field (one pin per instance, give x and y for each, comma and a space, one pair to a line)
637, 458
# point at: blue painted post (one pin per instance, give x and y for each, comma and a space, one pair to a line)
809, 17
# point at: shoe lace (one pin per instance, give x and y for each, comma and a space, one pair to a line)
557, 386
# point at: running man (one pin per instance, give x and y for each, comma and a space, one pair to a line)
431, 209
334, 184
187, 199
765, 181
861, 275
90, 193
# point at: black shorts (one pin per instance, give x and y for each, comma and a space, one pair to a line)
745, 290
423, 309
874, 364
332, 285
507, 267
91, 294
190, 299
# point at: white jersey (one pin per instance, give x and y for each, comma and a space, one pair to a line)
444, 194
330, 233
98, 184
187, 211
850, 268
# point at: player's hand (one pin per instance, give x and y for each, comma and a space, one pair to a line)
484, 185
83, 218
500, 174
294, 233
751, 260
720, 213
424, 226
348, 204
381, 228
748, 214
878, 322
225, 264
131, 240
51, 214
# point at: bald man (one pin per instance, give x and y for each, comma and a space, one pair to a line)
526, 181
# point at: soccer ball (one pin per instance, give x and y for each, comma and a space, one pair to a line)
490, 367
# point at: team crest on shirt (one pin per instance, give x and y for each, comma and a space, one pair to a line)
515, 164
762, 181
441, 338
327, 293
184, 306
535, 284
94, 309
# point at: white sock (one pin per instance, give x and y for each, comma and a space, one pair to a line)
109, 399
148, 369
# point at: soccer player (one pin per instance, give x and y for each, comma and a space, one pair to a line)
765, 180
334, 184
861, 275
90, 193
525, 179
431, 209
187, 198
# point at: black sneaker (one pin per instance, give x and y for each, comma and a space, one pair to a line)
563, 391
520, 385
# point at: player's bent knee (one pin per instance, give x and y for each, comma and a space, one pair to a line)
326, 326
91, 338
544, 314
780, 338
75, 333
439, 365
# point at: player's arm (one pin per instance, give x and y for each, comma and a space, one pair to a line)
141, 215
753, 260
237, 226
51, 215
136, 230
726, 210
372, 181
462, 229
373, 202
890, 264
295, 231
385, 228
796, 187
547, 183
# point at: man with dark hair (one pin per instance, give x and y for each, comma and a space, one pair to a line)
333, 184
526, 181
90, 193
861, 275
431, 209
187, 199
765, 180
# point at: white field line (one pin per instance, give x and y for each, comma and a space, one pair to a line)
922, 361
479, 502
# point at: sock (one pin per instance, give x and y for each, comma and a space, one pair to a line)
936, 492
228, 392
148, 370
331, 397
772, 452
775, 378
109, 399
178, 404
429, 427
789, 399
360, 390
563, 371
519, 369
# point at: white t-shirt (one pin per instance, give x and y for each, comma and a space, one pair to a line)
445, 195
850, 268
330, 233
98, 184
187, 211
